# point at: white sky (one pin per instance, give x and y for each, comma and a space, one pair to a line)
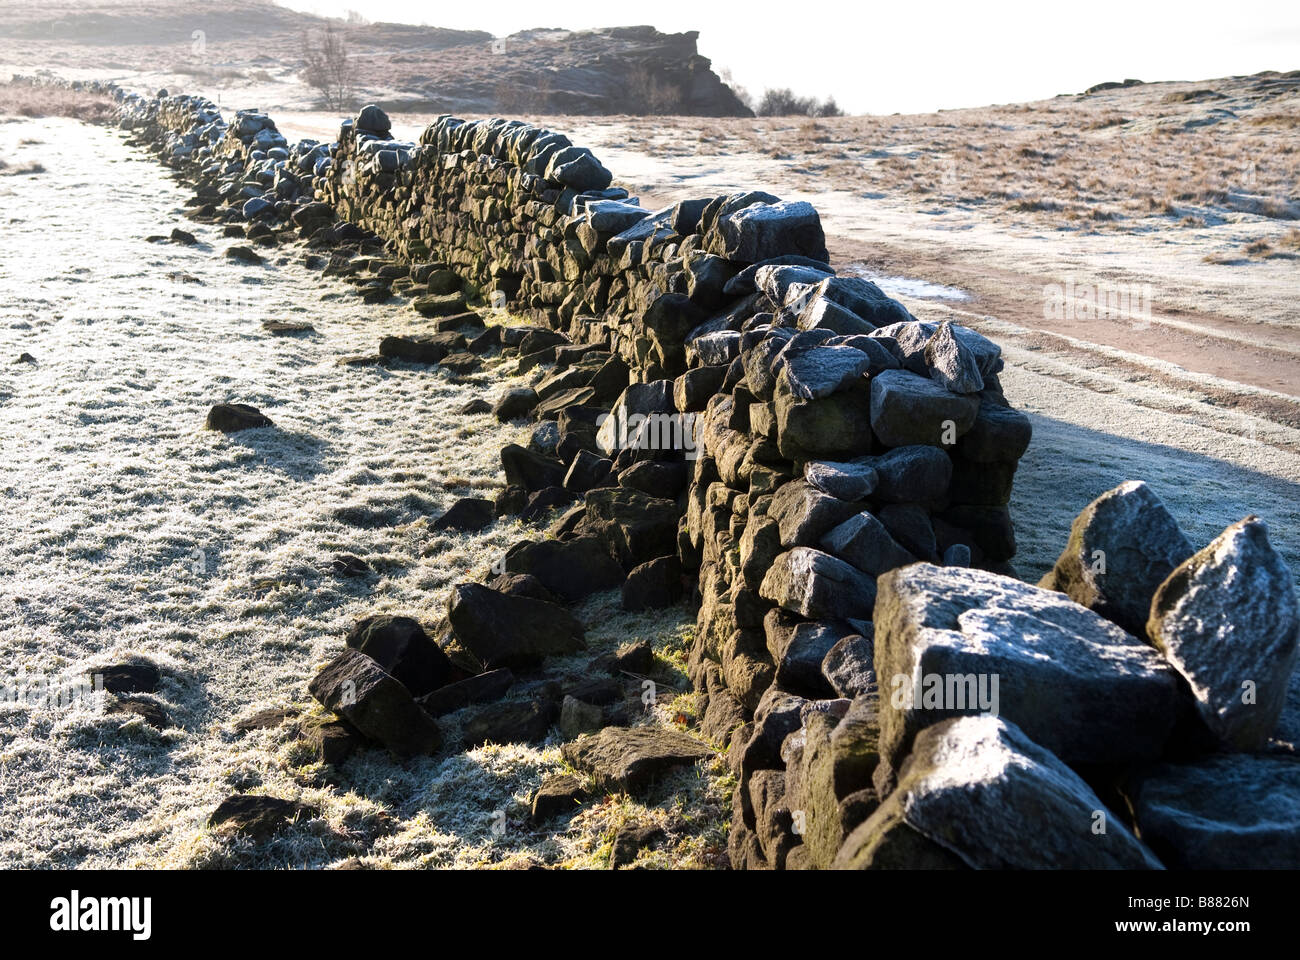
918, 56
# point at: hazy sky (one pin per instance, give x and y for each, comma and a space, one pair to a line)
918, 56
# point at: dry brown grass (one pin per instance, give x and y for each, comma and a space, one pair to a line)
1099, 164
23, 100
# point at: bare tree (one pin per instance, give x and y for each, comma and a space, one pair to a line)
328, 66
782, 102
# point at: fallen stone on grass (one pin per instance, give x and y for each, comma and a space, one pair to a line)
233, 417
630, 758
356, 687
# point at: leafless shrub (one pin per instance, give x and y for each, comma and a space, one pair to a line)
782, 102
328, 68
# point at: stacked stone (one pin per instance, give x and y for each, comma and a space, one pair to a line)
836, 486
842, 439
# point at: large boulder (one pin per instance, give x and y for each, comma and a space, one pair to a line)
505, 631
952, 641
1227, 619
1122, 546
1224, 812
357, 689
984, 792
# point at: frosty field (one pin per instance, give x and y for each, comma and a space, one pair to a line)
126, 529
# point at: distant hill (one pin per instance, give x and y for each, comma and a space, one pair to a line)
635, 70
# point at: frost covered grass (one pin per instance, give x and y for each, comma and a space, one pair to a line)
23, 100
127, 531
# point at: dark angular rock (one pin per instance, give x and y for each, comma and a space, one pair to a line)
998, 434
653, 584
330, 741
819, 586
402, 648
515, 403
664, 479
511, 500
1122, 546
849, 666
257, 817
558, 795
522, 585
1228, 621
570, 569
630, 758
357, 688
863, 541
350, 566
541, 503
635, 526
586, 471
480, 688
469, 513
134, 677
504, 631
1225, 812
524, 722
233, 417
530, 470
636, 658
805, 514
910, 526
629, 841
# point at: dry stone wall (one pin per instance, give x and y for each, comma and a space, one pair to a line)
826, 477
